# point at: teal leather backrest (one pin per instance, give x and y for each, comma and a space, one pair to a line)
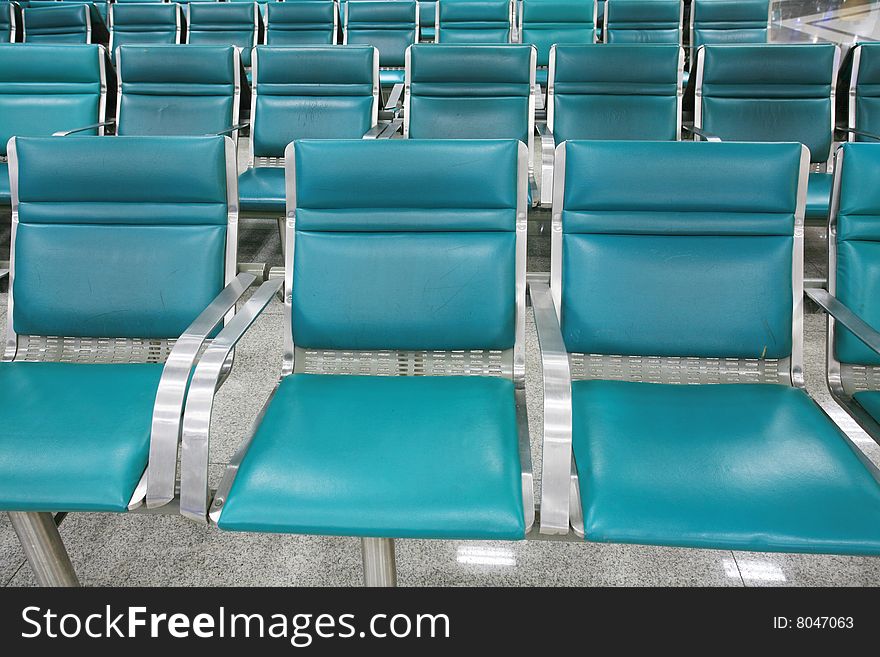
144, 24
768, 92
389, 25
312, 22
643, 21
856, 275
7, 22
729, 21
649, 271
45, 89
865, 110
470, 91
547, 22
428, 15
624, 91
312, 92
418, 268
223, 24
118, 237
64, 23
473, 21
176, 90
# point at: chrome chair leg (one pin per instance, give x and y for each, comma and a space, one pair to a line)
42, 545
380, 566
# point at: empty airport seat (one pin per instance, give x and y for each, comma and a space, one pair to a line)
623, 91
427, 19
94, 420
44, 89
301, 23
672, 333
433, 450
224, 24
772, 92
58, 24
543, 23
474, 21
391, 26
8, 22
321, 92
144, 24
177, 90
863, 99
729, 21
643, 21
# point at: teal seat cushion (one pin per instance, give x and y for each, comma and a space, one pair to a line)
5, 194
744, 466
818, 196
391, 76
75, 437
408, 457
870, 401
261, 189
541, 75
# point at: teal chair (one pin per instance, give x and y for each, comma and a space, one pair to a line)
543, 23
307, 92
427, 19
390, 26
643, 21
671, 333
9, 18
224, 24
474, 21
471, 92
114, 289
408, 311
624, 91
772, 92
44, 89
301, 23
728, 21
144, 24
853, 362
863, 107
63, 23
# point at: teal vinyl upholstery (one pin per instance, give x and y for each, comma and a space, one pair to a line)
144, 24
729, 21
470, 92
419, 457
643, 21
75, 436
301, 23
155, 228
62, 24
857, 273
865, 115
224, 24
544, 23
389, 26
419, 269
176, 90
427, 18
870, 401
743, 466
307, 92
633, 248
473, 21
626, 91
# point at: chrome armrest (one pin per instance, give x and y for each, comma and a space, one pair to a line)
384, 130
556, 478
699, 132
65, 133
200, 403
393, 103
4, 273
548, 150
852, 322
860, 133
375, 131
165, 429
230, 129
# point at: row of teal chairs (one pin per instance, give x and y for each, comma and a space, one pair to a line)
670, 331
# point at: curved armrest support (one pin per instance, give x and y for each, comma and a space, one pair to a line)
384, 130
165, 430
393, 104
200, 403
855, 324
94, 126
699, 132
860, 133
230, 129
548, 150
556, 479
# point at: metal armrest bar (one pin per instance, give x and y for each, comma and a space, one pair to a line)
165, 430
548, 150
388, 130
860, 133
230, 129
200, 402
856, 325
375, 131
556, 478
65, 133
700, 132
393, 102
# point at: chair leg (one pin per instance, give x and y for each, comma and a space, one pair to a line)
42, 545
282, 227
380, 566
